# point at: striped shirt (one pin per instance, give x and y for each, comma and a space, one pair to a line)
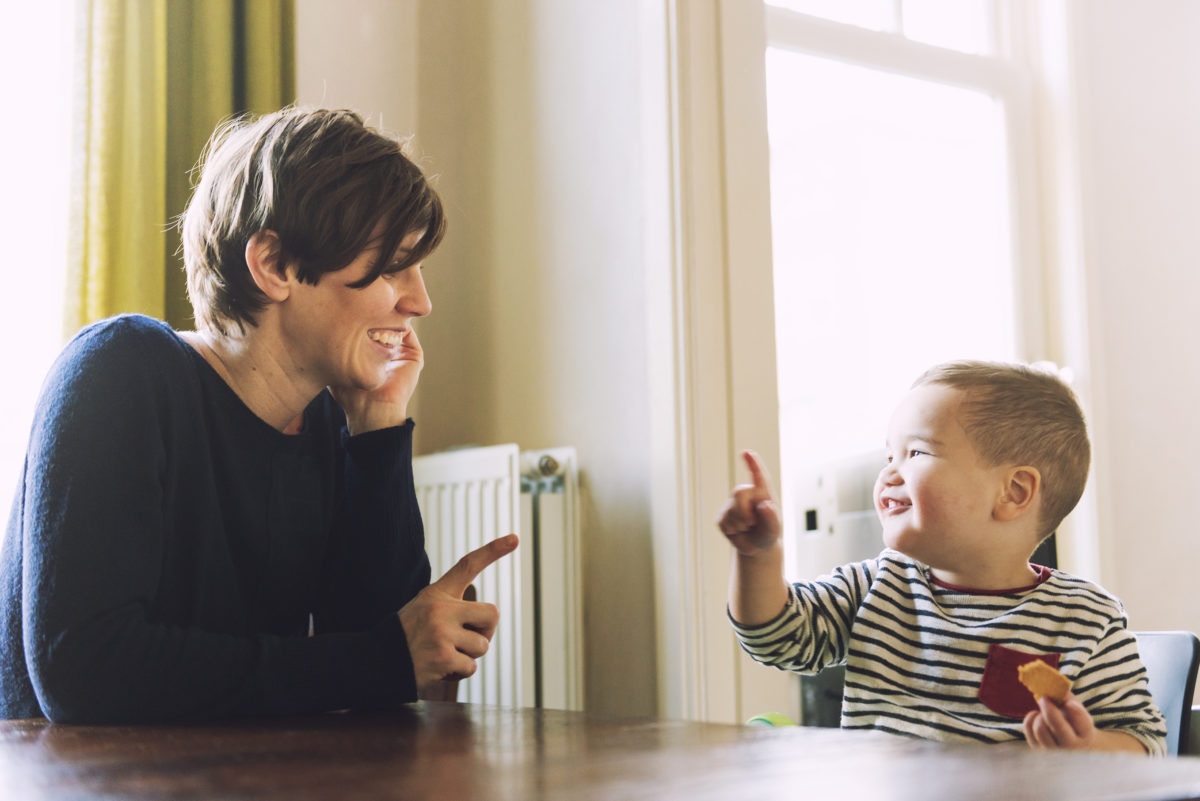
916, 651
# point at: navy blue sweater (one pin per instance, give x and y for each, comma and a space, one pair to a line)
166, 547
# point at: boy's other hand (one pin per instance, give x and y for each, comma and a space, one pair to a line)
1071, 727
750, 519
1068, 726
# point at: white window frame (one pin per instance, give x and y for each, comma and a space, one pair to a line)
712, 354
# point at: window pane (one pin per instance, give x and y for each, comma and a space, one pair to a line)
890, 217
877, 15
34, 159
964, 25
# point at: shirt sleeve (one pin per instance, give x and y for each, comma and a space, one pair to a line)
813, 630
1114, 689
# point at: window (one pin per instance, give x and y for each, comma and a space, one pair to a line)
901, 237
35, 162
965, 25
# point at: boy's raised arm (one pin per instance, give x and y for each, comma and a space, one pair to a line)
750, 521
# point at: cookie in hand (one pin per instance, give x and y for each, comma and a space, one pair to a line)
1043, 680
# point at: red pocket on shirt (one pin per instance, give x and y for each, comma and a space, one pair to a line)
1000, 690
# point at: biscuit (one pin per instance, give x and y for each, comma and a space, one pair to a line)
1042, 679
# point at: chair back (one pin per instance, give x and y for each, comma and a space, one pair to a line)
1171, 659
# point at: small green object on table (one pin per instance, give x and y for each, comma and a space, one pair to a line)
770, 719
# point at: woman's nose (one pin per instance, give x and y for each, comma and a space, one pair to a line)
414, 299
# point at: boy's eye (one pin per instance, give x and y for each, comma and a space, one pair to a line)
915, 452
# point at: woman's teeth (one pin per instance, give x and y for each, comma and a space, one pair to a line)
393, 339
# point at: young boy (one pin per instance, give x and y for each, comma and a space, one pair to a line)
984, 460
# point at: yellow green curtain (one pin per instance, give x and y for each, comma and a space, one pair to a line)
154, 78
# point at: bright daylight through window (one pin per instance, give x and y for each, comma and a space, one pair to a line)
34, 159
893, 245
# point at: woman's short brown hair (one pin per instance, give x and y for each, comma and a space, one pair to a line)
1017, 414
324, 182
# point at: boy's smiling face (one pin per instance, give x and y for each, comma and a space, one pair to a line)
936, 496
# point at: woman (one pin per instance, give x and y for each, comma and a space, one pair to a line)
223, 522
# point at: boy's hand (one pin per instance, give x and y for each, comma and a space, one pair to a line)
1069, 726
750, 518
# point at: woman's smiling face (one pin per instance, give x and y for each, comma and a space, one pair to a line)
345, 336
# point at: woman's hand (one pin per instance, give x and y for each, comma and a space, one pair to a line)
445, 633
386, 405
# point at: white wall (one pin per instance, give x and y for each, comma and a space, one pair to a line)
1137, 75
527, 114
359, 54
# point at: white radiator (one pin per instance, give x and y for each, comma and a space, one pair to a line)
471, 496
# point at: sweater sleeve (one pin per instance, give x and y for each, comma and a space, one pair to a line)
98, 645
378, 563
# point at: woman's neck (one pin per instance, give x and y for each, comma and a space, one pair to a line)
255, 376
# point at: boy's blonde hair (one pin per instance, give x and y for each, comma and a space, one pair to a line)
1016, 414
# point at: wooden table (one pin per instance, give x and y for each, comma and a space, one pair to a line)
449, 751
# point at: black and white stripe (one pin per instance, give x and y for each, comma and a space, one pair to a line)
915, 651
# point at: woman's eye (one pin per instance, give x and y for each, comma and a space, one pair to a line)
394, 271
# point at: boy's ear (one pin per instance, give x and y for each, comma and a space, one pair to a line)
1021, 487
264, 254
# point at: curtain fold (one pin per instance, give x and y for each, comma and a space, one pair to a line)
153, 78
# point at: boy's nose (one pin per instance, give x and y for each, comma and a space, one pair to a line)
889, 474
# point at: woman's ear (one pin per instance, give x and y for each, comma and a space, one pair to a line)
264, 254
1021, 488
